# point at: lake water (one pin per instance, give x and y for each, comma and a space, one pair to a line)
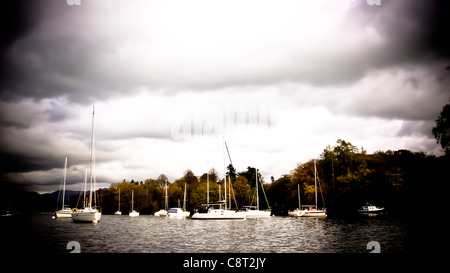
150, 234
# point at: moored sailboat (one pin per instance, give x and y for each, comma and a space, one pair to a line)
312, 210
65, 211
254, 211
180, 212
118, 212
89, 213
133, 213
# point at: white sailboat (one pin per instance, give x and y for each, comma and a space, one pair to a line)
164, 212
254, 211
133, 213
118, 212
312, 210
65, 211
298, 212
219, 210
89, 213
180, 212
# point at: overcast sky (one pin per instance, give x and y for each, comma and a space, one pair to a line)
280, 80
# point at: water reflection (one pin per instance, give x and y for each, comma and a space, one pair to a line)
149, 234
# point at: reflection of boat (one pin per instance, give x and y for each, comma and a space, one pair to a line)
254, 211
89, 213
64, 212
214, 213
369, 209
133, 213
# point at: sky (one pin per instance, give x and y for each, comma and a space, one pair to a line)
279, 81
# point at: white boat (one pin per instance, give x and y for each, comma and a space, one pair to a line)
164, 212
133, 213
254, 211
221, 212
64, 212
312, 210
89, 213
180, 212
298, 212
213, 213
118, 212
369, 209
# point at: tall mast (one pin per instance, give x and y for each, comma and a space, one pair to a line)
315, 181
167, 201
257, 196
64, 182
207, 187
92, 160
225, 171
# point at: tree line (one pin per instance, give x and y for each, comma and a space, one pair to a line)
348, 177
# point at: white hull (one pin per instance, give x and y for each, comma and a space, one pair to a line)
134, 213
87, 216
178, 213
65, 213
218, 214
118, 213
257, 213
315, 213
296, 213
370, 210
161, 213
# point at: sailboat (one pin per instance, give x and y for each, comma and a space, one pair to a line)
180, 212
254, 211
65, 211
163, 212
89, 213
219, 210
312, 210
118, 212
297, 212
133, 213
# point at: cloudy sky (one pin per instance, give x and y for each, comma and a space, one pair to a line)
280, 80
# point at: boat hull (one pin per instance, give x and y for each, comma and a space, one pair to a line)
257, 213
178, 213
315, 213
134, 214
296, 213
86, 216
64, 213
219, 214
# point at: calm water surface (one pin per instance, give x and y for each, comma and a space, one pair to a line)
150, 234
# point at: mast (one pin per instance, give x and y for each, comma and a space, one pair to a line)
64, 182
257, 196
207, 187
298, 191
119, 199
167, 201
315, 182
184, 199
225, 172
132, 200
92, 160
